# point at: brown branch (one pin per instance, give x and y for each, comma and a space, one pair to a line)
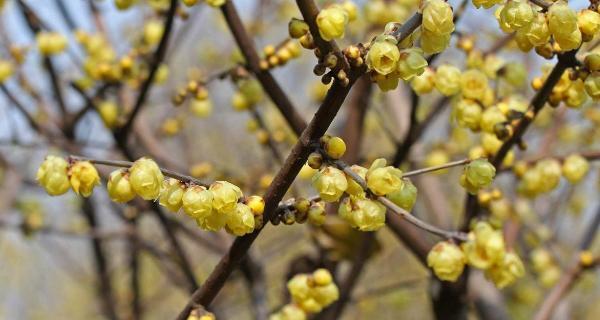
157, 58
281, 183
309, 11
34, 125
269, 84
128, 164
436, 168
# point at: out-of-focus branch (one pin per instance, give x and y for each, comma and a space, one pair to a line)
104, 278
157, 59
269, 84
32, 123
568, 279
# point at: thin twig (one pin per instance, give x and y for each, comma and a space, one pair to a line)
436, 168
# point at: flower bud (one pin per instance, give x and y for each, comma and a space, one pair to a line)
297, 28
575, 167
382, 180
197, 202
289, 312
592, 61
52, 175
438, 17
411, 64
225, 196
480, 173
171, 194
241, 220
109, 112
6, 70
550, 171
447, 79
83, 177
322, 277
256, 204
332, 22
447, 261
123, 4
335, 147
201, 108
330, 183
383, 57
406, 197
153, 32
146, 178
119, 188
189, 3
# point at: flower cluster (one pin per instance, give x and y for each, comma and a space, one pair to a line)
51, 43
280, 55
544, 175
312, 292
57, 175
221, 205
485, 249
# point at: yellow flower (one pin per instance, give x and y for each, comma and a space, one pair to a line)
411, 64
575, 167
109, 112
434, 43
52, 175
6, 70
516, 14
330, 183
325, 294
382, 180
550, 172
256, 204
406, 197
241, 220
146, 178
215, 3
50, 43
366, 214
289, 312
447, 261
480, 173
473, 84
197, 202
486, 3
423, 83
507, 271
153, 32
383, 57
537, 32
83, 177
592, 86
447, 79
485, 246
214, 222
335, 147
562, 22
387, 82
201, 108
468, 114
490, 117
332, 22
171, 194
351, 9
119, 188
353, 187
588, 22
225, 196
438, 17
